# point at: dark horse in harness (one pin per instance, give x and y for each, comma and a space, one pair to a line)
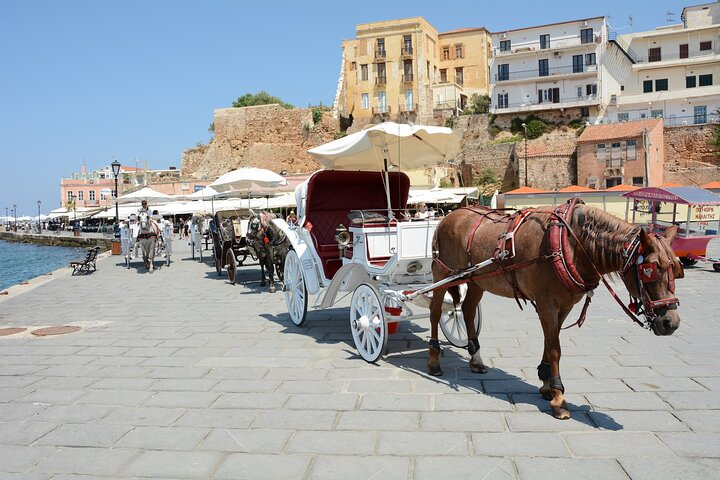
269, 245
552, 257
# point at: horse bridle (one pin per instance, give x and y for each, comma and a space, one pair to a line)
645, 273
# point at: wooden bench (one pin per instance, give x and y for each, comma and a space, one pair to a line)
87, 264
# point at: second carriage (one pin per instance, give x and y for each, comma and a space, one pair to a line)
228, 229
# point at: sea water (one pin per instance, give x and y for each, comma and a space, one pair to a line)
20, 262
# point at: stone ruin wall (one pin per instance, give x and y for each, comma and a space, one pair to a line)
269, 136
265, 136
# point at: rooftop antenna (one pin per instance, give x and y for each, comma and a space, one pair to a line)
669, 17
628, 25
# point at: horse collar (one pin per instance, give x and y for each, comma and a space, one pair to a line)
560, 246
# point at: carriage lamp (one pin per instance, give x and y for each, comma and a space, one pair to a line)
342, 236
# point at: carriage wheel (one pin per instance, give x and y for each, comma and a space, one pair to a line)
688, 262
716, 267
231, 266
294, 289
367, 323
452, 324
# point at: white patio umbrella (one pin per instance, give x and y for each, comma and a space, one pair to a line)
146, 193
244, 178
388, 145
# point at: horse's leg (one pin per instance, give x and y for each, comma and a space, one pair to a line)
469, 308
270, 269
151, 256
551, 318
434, 347
262, 271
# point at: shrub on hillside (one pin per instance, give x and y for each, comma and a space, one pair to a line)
535, 128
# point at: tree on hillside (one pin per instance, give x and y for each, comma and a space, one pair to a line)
260, 98
478, 104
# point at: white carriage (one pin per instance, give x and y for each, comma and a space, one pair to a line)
353, 234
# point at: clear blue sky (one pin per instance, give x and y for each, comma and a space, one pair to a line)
86, 81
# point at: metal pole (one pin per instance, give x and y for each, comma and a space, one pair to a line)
39, 224
15, 216
526, 153
117, 211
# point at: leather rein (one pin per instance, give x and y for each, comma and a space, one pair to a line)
558, 233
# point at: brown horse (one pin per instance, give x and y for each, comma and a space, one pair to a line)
551, 257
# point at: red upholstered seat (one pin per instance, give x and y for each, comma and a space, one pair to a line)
332, 194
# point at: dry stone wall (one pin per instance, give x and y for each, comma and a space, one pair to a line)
265, 136
685, 145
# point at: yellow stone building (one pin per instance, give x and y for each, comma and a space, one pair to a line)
405, 69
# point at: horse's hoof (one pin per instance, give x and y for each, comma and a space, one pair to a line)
479, 368
272, 289
435, 371
561, 413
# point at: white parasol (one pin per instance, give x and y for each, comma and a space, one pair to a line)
388, 146
146, 193
246, 177
406, 147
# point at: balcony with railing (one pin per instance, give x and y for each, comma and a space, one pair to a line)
381, 110
380, 80
408, 108
407, 52
380, 55
534, 105
545, 72
666, 57
555, 44
407, 78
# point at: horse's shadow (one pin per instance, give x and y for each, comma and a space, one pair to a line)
407, 350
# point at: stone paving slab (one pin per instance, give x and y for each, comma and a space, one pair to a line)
178, 374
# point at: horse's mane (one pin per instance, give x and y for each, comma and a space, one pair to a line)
603, 236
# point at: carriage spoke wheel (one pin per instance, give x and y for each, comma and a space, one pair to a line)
452, 324
294, 289
367, 323
231, 266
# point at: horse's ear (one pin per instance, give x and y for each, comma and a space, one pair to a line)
671, 233
645, 239
252, 213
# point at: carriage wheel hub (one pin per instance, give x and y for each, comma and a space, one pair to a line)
362, 323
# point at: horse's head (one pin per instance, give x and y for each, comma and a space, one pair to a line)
144, 220
650, 279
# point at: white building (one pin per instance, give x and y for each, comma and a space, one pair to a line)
552, 67
674, 71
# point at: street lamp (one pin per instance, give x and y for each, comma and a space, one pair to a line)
39, 224
15, 216
116, 171
526, 153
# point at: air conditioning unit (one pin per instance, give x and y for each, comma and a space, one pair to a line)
585, 23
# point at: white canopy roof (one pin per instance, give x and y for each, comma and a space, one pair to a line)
146, 193
405, 147
441, 195
244, 178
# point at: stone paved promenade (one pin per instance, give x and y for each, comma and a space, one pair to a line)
178, 374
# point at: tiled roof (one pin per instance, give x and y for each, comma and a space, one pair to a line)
576, 189
617, 131
712, 185
622, 188
670, 185
543, 148
526, 190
